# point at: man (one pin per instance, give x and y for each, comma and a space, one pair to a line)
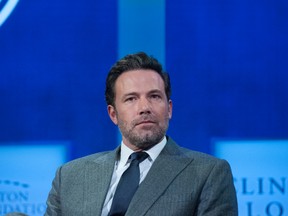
172, 180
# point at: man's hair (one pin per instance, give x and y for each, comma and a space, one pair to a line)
131, 62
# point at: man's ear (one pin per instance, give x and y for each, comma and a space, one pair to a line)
112, 114
170, 108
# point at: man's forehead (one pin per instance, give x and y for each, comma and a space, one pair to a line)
137, 80
141, 74
138, 76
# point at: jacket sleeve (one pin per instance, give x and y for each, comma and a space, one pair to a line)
218, 196
53, 201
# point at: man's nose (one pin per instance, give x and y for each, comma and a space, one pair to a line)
144, 106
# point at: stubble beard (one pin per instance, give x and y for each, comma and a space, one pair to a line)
142, 140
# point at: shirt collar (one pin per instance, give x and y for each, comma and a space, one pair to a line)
152, 152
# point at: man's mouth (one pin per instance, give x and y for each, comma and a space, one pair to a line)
145, 122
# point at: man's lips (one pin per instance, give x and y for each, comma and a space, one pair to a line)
145, 122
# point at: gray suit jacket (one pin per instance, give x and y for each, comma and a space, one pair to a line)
180, 182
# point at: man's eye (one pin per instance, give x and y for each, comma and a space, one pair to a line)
130, 99
155, 96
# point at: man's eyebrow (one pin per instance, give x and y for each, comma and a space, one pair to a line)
129, 94
155, 91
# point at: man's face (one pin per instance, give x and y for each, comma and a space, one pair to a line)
141, 110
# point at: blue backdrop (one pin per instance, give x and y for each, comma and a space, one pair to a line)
227, 61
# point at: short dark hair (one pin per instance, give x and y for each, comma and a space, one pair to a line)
134, 62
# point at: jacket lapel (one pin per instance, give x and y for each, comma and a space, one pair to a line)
166, 167
97, 179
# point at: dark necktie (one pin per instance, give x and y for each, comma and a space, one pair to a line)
127, 185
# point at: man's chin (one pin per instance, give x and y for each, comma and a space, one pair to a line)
145, 145
146, 141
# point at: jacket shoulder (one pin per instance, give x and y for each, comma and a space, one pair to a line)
80, 162
198, 155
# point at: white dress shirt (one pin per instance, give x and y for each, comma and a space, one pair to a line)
124, 163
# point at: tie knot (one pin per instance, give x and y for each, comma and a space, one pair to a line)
139, 156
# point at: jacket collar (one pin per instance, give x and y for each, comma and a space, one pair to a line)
166, 167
